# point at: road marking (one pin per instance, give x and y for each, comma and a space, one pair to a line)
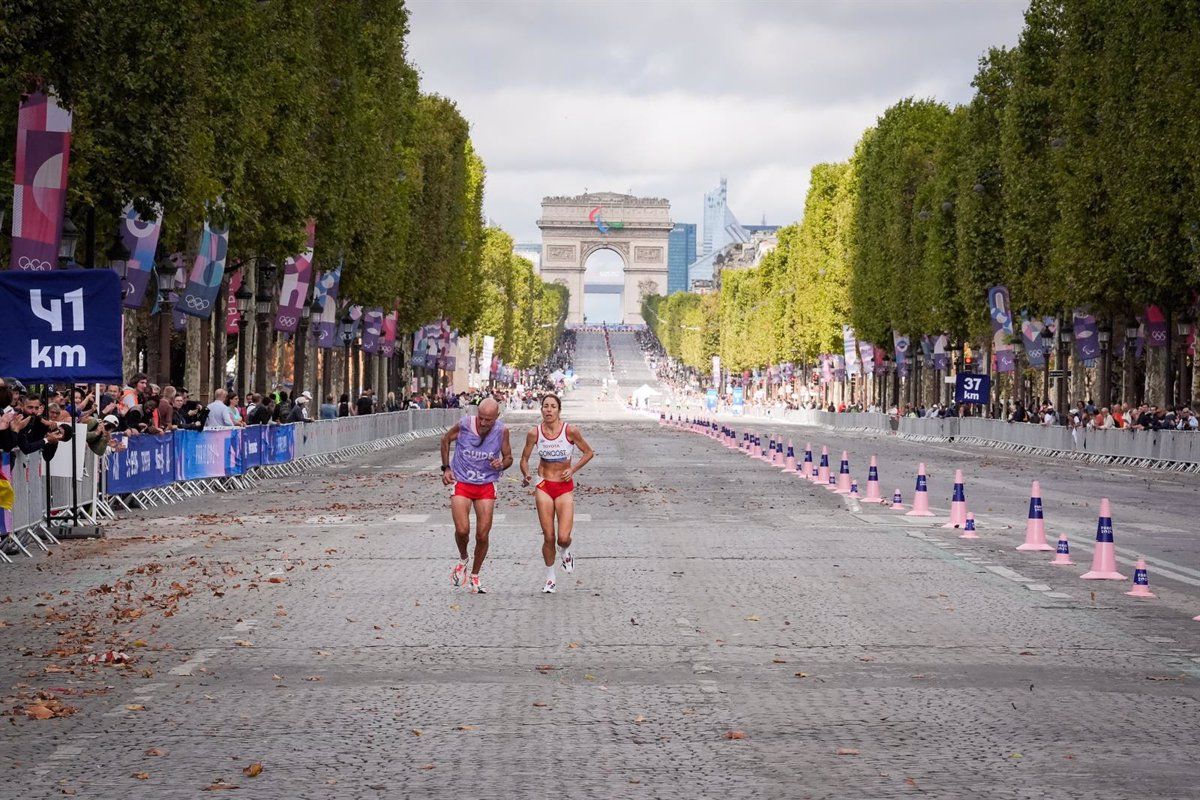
188, 667
409, 519
328, 519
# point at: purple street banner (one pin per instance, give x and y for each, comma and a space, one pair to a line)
356, 315
40, 182
233, 317
141, 240
372, 338
297, 275
204, 283
177, 316
850, 348
1086, 337
941, 354
1031, 338
879, 367
901, 343
927, 348
449, 357
1000, 312
389, 335
826, 369
839, 367
324, 328
1156, 327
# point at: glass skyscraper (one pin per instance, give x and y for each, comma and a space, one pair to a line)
681, 251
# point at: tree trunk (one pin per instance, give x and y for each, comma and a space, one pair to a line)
192, 361
1156, 364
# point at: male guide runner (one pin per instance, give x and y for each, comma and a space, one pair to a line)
555, 441
481, 454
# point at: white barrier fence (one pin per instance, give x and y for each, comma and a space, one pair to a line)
41, 504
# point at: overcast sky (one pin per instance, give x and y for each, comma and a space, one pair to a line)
663, 98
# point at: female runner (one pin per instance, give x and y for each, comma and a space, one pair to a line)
555, 441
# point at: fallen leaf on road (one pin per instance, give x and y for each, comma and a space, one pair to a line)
467, 728
141, 776
416, 731
314, 678
38, 712
735, 734
218, 786
253, 770
156, 751
243, 643
847, 751
573, 646
1015, 755
753, 618
276, 677
639, 719
323, 652
427, 766
801, 674
866, 658
275, 580
540, 705
135, 707
778, 661
1164, 678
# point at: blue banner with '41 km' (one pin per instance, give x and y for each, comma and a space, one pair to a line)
62, 326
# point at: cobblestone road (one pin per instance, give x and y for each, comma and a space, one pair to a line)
309, 626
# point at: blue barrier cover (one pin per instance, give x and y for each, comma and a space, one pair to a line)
147, 462
283, 443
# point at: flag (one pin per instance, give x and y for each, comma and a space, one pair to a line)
325, 295
372, 330
1031, 337
40, 182
389, 335
1086, 337
901, 343
850, 348
297, 275
233, 317
204, 283
1002, 328
141, 240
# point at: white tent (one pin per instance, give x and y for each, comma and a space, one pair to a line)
643, 393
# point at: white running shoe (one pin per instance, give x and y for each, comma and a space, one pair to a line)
568, 563
458, 576
549, 587
475, 587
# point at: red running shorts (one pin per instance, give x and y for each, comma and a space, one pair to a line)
475, 491
557, 488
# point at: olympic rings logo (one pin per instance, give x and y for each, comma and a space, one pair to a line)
285, 322
196, 303
25, 262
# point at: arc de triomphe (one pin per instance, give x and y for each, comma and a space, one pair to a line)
636, 228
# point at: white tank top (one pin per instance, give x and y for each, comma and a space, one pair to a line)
554, 450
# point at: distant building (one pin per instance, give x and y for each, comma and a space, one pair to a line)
531, 251
701, 286
721, 229
681, 251
743, 255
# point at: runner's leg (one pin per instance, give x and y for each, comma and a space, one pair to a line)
545, 510
460, 512
564, 511
483, 526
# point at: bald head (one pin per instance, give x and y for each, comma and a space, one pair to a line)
489, 412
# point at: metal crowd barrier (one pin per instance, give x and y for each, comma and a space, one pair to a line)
317, 444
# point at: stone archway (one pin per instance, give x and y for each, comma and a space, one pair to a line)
636, 228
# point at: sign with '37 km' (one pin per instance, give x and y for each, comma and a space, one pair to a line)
61, 326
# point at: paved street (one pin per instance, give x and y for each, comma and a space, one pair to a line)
729, 632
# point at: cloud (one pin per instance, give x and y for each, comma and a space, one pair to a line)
663, 98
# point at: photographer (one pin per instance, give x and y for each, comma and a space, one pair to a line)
36, 430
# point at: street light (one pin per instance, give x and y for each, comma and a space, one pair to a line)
164, 270
1064, 343
347, 340
263, 297
118, 260
1047, 349
243, 299
299, 345
66, 246
1103, 337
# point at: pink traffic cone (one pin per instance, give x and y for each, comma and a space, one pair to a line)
958, 503
774, 451
1104, 559
1035, 528
1141, 582
897, 501
843, 478
1062, 554
789, 463
823, 469
969, 528
854, 489
873, 483
920, 507
806, 467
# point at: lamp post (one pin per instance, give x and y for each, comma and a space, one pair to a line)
165, 270
1064, 342
262, 317
299, 345
243, 299
1183, 385
118, 260
1047, 349
347, 340
1104, 336
1127, 363
66, 245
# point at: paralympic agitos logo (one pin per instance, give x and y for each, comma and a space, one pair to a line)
602, 226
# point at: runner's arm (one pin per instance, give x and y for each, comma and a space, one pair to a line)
448, 437
506, 456
576, 437
530, 441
